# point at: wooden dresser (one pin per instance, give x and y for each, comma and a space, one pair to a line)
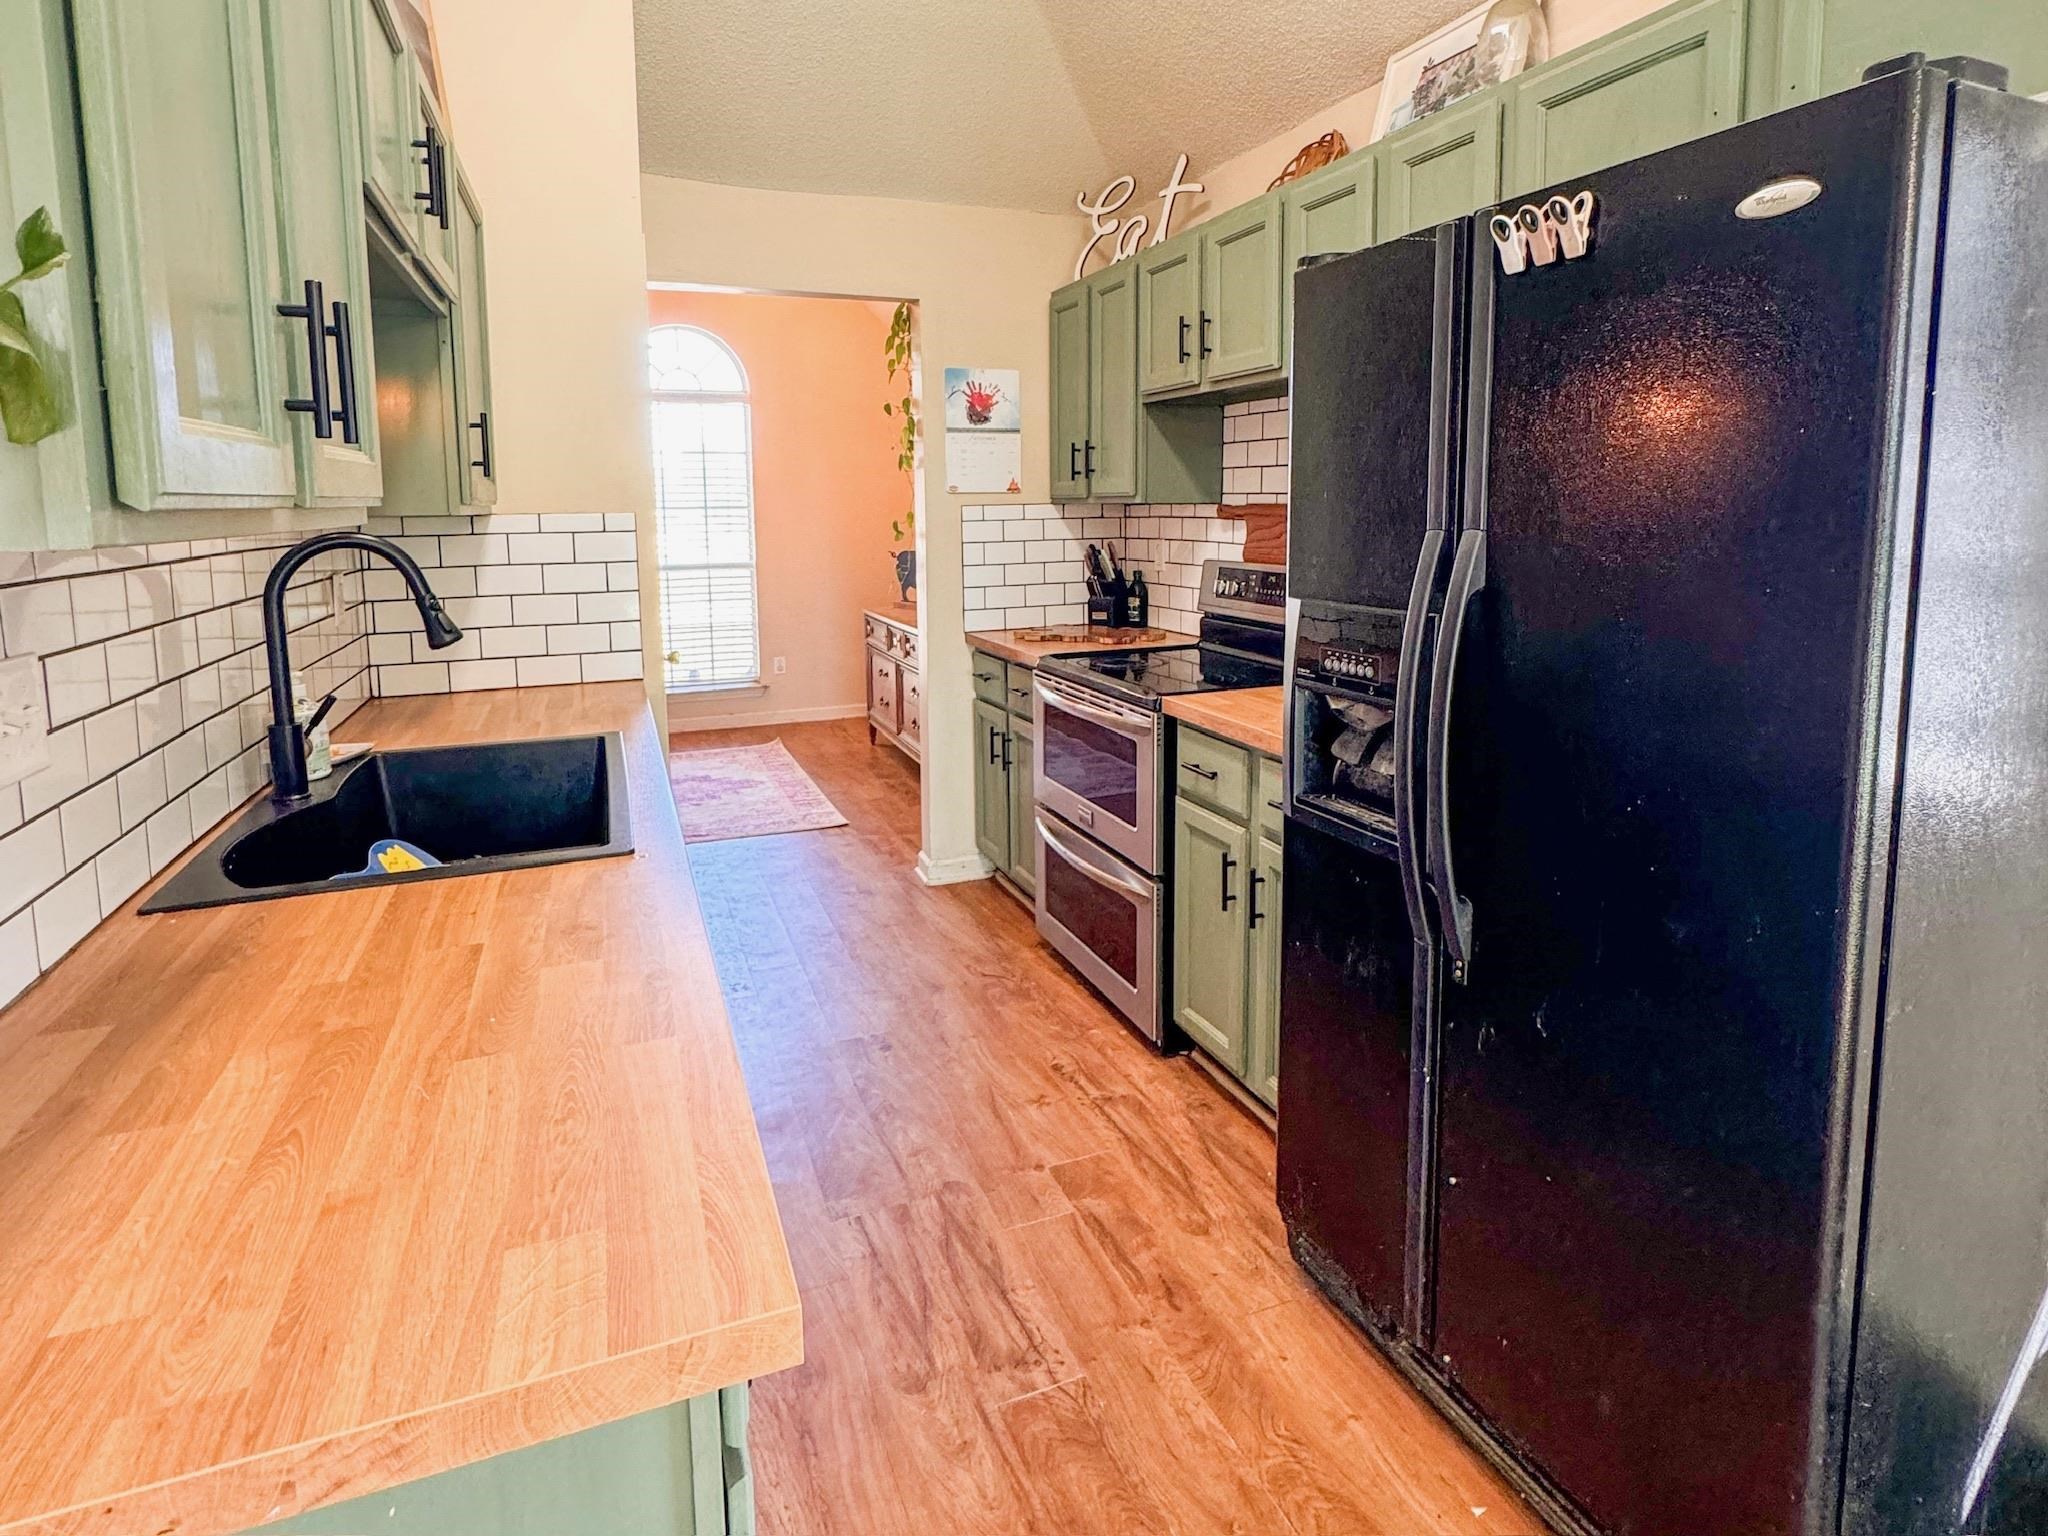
895, 677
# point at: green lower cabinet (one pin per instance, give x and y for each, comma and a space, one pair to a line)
1262, 1044
1210, 958
1442, 168
991, 784
683, 1470
1023, 862
1646, 87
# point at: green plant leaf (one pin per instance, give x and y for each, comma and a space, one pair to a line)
14, 335
39, 246
27, 404
888, 409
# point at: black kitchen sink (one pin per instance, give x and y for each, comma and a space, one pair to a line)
504, 805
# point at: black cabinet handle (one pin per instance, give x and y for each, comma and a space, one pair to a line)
1206, 348
1073, 461
343, 331
1088, 457
1229, 896
1197, 768
1254, 914
1275, 805
482, 427
434, 156
1006, 751
315, 401
993, 733
1183, 338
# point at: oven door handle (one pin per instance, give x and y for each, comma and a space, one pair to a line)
1101, 877
1124, 724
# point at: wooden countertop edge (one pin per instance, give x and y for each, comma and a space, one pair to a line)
295, 1478
1227, 714
997, 642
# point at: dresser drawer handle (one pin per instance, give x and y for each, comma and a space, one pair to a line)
1207, 773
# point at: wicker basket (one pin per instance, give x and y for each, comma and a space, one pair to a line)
1313, 157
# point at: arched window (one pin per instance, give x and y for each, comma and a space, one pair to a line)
704, 503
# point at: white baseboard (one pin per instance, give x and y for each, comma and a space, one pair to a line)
952, 871
678, 723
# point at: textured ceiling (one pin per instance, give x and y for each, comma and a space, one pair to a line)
1017, 104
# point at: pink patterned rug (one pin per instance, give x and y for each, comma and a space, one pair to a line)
757, 791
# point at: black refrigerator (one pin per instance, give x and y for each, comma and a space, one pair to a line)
1664, 1021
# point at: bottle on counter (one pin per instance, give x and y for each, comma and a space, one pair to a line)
1137, 602
319, 740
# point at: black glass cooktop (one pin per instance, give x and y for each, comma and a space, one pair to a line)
1146, 677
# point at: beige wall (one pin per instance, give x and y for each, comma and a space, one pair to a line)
1245, 176
826, 489
542, 113
980, 277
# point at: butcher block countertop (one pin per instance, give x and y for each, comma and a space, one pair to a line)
308, 1198
1251, 717
1025, 648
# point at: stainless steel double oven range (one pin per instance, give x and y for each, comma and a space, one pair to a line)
1099, 783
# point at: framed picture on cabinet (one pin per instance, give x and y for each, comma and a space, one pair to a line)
1447, 66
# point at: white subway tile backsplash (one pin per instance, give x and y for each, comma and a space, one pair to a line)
613, 667
18, 965
547, 671
122, 870
555, 608
566, 586
582, 578
542, 548
66, 915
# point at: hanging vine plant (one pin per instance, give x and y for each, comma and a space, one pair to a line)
896, 352
28, 404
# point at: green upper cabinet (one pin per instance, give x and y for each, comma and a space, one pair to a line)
476, 439
1170, 315
312, 47
392, 170
1209, 951
1240, 332
1114, 415
185, 246
435, 231
1673, 77
1069, 367
1443, 168
1329, 211
1827, 44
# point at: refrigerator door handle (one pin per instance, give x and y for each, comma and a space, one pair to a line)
1468, 575
1408, 682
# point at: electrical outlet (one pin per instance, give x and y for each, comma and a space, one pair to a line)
24, 719
781, 665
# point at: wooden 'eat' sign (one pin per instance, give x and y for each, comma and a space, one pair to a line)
1129, 233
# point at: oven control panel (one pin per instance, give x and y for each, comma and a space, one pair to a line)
1262, 585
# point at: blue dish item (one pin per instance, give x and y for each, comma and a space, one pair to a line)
392, 856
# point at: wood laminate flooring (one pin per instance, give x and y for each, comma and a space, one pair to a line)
1045, 1287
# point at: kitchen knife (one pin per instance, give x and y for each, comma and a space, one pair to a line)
1116, 570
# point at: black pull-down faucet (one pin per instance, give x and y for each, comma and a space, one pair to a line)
287, 741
